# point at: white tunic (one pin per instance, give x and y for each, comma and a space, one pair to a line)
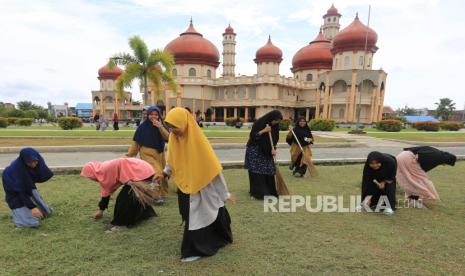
204, 205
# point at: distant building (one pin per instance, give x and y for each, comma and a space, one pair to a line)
58, 110
416, 119
9, 106
84, 110
388, 112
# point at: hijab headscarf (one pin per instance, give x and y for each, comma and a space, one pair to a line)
263, 141
301, 133
113, 173
429, 157
387, 171
148, 135
19, 177
190, 156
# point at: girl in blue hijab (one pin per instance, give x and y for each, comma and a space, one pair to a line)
149, 142
19, 182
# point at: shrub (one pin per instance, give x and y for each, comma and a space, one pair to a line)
389, 125
427, 126
69, 122
24, 122
3, 122
322, 124
30, 114
231, 121
12, 120
284, 124
450, 125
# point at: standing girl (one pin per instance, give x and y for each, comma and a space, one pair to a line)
259, 155
202, 191
149, 141
305, 138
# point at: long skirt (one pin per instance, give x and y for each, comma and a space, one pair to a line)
262, 185
413, 179
128, 210
23, 218
205, 241
371, 189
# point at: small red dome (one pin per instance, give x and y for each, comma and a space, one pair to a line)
269, 53
332, 11
352, 38
316, 55
192, 48
229, 30
105, 73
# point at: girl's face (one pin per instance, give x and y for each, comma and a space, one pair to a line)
275, 122
32, 164
302, 123
176, 131
154, 116
375, 164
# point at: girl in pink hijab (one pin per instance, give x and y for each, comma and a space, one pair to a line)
134, 175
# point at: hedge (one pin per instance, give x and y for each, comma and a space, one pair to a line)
284, 124
24, 122
427, 126
451, 125
69, 122
389, 125
3, 122
12, 120
322, 124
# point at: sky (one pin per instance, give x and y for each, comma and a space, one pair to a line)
52, 50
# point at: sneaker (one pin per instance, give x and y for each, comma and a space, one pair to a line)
159, 201
190, 259
362, 208
388, 211
118, 228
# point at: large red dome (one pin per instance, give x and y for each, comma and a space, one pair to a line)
269, 53
191, 48
352, 38
316, 55
105, 73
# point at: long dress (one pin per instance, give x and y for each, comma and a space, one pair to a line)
207, 224
258, 159
128, 210
386, 173
413, 163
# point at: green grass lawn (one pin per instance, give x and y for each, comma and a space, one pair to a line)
413, 241
449, 136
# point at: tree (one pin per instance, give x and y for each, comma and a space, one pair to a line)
30, 114
27, 105
155, 67
445, 108
406, 111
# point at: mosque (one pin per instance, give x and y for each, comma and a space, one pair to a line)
332, 78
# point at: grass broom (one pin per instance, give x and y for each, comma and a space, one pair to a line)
281, 187
311, 169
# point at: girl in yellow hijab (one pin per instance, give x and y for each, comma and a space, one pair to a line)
202, 190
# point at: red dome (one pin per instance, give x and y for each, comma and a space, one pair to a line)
316, 55
105, 73
332, 11
191, 48
269, 53
352, 38
229, 30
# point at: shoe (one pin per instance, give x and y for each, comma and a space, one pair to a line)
118, 228
159, 201
388, 211
190, 259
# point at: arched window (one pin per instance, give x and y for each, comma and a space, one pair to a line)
309, 77
360, 60
175, 73
192, 72
209, 73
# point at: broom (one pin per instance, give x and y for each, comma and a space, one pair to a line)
145, 193
280, 184
311, 168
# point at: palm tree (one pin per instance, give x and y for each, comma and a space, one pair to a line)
154, 67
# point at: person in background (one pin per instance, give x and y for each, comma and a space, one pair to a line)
115, 121
21, 194
305, 137
97, 120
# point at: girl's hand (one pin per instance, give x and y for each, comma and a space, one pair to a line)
266, 129
37, 213
273, 152
158, 178
157, 123
232, 199
98, 214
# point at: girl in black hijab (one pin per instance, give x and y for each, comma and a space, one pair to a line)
379, 179
259, 155
305, 138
